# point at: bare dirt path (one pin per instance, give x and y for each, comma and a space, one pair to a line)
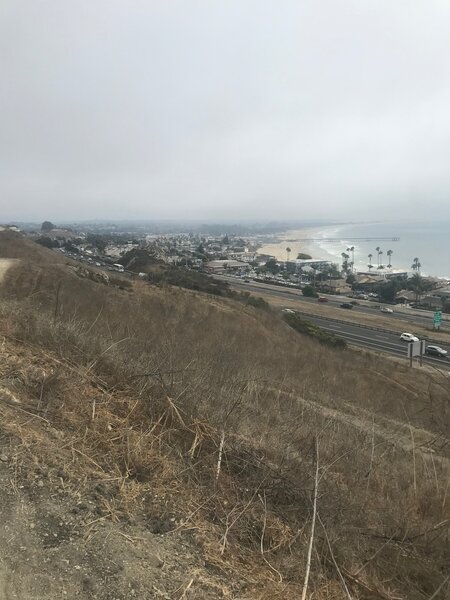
394, 432
5, 264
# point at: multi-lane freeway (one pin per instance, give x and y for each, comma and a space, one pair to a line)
374, 339
356, 334
416, 317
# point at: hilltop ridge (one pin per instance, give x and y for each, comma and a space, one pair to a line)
164, 443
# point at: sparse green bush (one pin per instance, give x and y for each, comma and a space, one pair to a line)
47, 242
255, 301
310, 292
306, 327
121, 282
191, 280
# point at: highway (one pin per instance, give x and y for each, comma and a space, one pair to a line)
360, 335
372, 339
416, 317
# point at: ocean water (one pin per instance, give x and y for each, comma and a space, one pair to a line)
430, 242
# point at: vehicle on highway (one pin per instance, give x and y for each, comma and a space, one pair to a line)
436, 351
409, 337
346, 305
386, 309
322, 299
288, 311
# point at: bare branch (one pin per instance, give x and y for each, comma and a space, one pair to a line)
313, 524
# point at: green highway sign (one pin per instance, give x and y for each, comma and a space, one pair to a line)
437, 317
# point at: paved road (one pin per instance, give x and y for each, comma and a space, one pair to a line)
364, 337
424, 318
355, 334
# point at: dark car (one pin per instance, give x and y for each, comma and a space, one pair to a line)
346, 305
436, 351
322, 299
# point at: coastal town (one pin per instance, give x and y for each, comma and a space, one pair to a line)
239, 257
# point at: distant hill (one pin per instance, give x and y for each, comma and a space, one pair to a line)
141, 260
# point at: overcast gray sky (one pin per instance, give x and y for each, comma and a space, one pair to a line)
224, 109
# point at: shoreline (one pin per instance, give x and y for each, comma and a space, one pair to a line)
292, 239
331, 251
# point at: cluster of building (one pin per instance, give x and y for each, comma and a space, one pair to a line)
236, 256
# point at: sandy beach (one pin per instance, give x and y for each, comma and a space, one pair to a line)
294, 239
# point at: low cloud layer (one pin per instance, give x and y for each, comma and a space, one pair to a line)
205, 109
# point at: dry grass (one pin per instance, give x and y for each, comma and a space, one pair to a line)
147, 386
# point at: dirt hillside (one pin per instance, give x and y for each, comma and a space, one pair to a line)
158, 443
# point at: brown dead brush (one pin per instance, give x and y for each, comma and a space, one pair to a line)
205, 415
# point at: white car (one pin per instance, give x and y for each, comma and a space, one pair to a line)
386, 309
409, 337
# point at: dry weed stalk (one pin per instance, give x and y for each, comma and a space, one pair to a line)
264, 503
186, 587
229, 525
414, 460
436, 592
344, 585
219, 460
313, 523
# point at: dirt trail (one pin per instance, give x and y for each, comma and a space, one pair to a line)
5, 264
397, 433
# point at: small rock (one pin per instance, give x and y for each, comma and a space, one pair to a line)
3, 458
154, 561
40, 483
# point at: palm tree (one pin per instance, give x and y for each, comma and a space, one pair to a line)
389, 253
352, 250
416, 282
378, 250
370, 265
288, 252
416, 265
345, 258
380, 265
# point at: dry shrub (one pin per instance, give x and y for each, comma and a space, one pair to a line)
148, 386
